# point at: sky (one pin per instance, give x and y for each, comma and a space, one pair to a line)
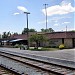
60, 15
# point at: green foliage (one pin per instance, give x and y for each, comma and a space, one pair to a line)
6, 34
25, 31
15, 33
37, 38
61, 46
49, 49
17, 46
44, 49
47, 30
32, 30
72, 31
29, 30
23, 46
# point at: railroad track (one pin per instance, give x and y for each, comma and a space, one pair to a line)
5, 71
51, 69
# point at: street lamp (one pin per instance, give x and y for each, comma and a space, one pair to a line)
27, 28
46, 14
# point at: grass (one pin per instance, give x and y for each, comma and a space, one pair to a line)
44, 49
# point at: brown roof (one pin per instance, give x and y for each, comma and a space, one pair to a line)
61, 35
70, 35
21, 36
49, 35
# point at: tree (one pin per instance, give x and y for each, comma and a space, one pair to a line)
51, 30
15, 33
29, 30
37, 38
0, 36
32, 30
8, 34
47, 30
72, 31
25, 31
42, 30
4, 35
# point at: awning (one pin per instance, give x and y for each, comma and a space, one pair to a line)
16, 40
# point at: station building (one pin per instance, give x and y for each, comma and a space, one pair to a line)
55, 39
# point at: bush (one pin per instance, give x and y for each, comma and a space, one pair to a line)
1, 45
47, 47
61, 46
17, 46
23, 47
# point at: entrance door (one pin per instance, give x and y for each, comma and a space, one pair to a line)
73, 42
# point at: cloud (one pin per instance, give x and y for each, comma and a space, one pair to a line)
60, 18
65, 22
64, 29
65, 2
59, 9
56, 24
42, 22
16, 13
68, 29
21, 8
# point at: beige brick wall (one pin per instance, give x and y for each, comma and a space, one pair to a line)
55, 42
68, 43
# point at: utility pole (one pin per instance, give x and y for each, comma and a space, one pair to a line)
66, 28
46, 14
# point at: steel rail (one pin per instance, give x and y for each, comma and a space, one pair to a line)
56, 61
6, 71
56, 69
